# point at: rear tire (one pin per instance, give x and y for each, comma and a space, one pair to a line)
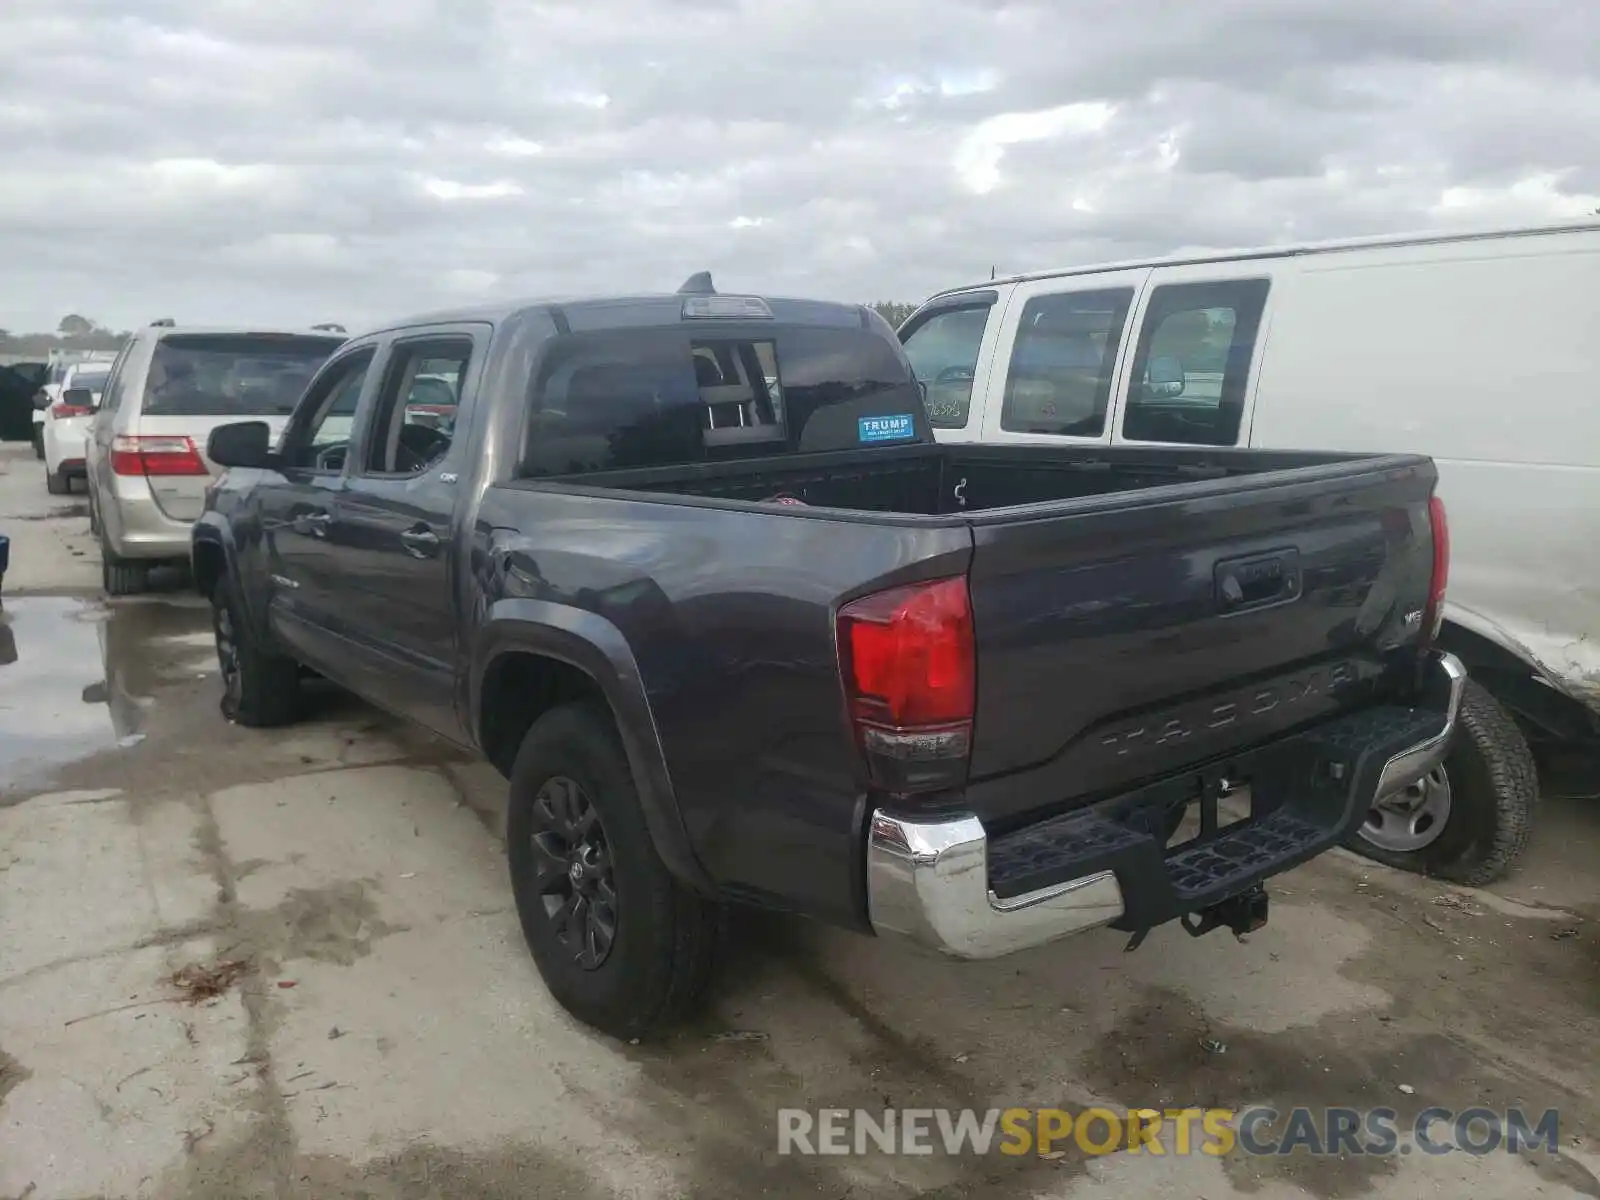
1493, 787
121, 576
38, 441
56, 483
260, 687
654, 964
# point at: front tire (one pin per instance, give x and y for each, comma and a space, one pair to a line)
620, 943
1469, 821
260, 688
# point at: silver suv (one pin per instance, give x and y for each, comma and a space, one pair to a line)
168, 389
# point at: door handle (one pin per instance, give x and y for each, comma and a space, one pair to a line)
1257, 581
420, 543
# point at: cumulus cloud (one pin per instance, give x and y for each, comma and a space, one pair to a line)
232, 160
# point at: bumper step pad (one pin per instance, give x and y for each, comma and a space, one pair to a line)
1307, 793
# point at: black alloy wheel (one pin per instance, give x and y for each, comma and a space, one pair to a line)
580, 853
574, 879
260, 685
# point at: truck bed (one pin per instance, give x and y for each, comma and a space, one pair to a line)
956, 480
1097, 579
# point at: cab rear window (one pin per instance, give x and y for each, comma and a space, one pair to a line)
621, 400
231, 375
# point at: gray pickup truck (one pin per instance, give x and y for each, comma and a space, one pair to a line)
693, 573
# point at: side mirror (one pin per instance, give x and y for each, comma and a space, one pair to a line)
78, 398
1164, 378
245, 444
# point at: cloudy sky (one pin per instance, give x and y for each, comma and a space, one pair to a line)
350, 160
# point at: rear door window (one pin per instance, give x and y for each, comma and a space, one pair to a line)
231, 375
943, 348
619, 400
1062, 362
1190, 370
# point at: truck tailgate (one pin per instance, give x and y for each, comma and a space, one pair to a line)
1120, 639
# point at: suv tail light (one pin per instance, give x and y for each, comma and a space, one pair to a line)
910, 677
62, 411
1433, 614
155, 455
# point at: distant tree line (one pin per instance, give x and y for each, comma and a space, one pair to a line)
73, 332
893, 312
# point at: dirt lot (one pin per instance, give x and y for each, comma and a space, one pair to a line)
377, 1029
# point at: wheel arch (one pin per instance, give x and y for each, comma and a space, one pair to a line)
530, 656
208, 561
1515, 677
213, 556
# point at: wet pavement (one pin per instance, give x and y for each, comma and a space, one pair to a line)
78, 677
380, 1032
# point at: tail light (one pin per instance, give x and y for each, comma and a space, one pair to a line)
909, 670
1433, 614
155, 455
62, 411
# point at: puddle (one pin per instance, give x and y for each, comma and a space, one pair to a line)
78, 677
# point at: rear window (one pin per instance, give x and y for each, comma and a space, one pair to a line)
94, 381
228, 375
630, 399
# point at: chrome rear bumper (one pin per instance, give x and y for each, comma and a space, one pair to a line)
928, 879
1444, 686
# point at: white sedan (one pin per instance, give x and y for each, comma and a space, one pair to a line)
66, 424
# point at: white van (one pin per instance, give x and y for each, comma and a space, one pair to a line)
1481, 350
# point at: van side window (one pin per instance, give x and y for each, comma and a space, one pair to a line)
1187, 384
943, 349
1061, 364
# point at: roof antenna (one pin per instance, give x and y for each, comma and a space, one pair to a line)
698, 284
991, 274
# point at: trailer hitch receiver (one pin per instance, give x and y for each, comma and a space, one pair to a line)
1244, 914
